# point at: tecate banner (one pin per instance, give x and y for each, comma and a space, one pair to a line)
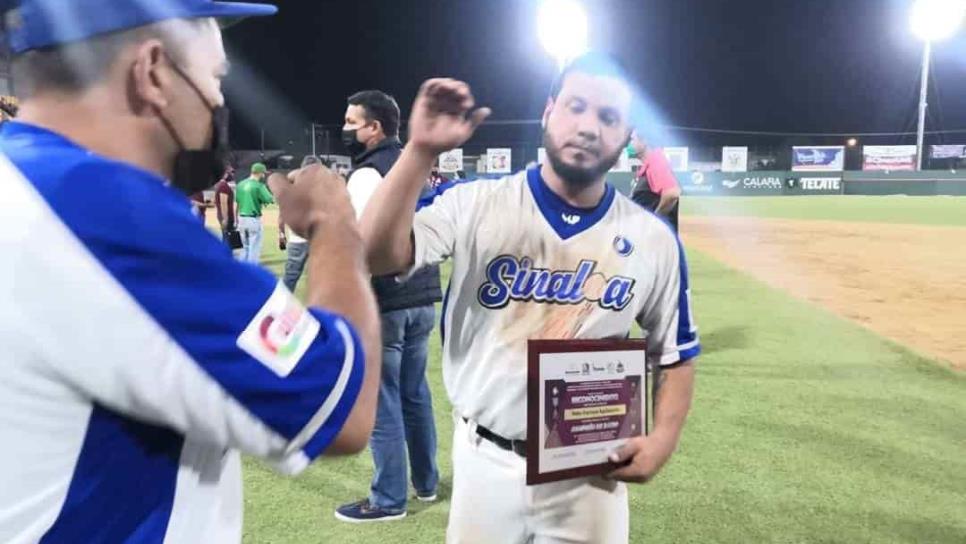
822, 158
825, 186
889, 157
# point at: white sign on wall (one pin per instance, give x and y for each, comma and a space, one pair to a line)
498, 160
678, 157
451, 161
340, 163
734, 159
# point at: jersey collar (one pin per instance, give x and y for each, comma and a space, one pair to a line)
566, 220
26, 135
21, 133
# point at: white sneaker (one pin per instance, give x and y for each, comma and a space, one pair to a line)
426, 498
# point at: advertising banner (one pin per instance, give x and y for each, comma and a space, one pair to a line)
734, 159
889, 157
677, 157
821, 186
697, 183
342, 164
763, 183
822, 158
759, 183
498, 160
451, 161
947, 152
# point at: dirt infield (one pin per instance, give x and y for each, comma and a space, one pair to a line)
905, 282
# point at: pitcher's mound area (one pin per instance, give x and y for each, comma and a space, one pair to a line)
905, 282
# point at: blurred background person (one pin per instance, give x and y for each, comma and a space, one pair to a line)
655, 187
296, 248
8, 108
436, 179
404, 416
251, 195
200, 206
225, 211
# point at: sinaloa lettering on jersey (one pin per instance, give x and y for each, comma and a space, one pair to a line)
509, 278
280, 333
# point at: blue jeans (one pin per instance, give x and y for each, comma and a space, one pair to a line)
251, 231
298, 252
404, 416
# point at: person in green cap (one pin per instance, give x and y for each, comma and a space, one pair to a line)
250, 195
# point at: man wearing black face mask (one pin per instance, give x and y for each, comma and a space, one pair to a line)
140, 357
404, 417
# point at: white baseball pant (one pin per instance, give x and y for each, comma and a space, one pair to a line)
492, 504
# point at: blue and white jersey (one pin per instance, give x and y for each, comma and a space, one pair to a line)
138, 358
526, 265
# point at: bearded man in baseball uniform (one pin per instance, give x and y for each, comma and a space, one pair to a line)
553, 252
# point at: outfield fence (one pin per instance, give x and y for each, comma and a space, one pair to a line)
787, 183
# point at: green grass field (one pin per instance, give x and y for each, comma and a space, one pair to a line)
939, 210
805, 427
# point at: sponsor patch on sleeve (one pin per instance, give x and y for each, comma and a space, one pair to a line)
280, 333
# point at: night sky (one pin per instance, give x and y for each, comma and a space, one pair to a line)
760, 65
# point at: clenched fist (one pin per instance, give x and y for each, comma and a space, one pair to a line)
310, 196
443, 116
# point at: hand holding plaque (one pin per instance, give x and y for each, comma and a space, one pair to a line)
586, 399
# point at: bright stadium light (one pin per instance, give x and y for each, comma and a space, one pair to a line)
932, 21
562, 29
935, 20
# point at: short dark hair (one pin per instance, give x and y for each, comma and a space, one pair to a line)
597, 64
380, 107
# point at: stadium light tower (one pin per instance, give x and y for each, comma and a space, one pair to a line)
562, 29
932, 21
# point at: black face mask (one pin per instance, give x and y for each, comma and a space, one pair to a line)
352, 143
200, 169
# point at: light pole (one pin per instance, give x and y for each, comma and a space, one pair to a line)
314, 154
562, 29
932, 21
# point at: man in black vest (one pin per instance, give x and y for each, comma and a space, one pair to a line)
404, 417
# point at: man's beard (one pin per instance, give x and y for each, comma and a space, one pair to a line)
577, 177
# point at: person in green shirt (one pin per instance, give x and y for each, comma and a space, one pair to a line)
250, 195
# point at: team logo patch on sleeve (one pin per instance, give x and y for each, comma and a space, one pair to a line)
280, 333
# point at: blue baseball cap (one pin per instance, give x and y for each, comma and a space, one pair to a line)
33, 24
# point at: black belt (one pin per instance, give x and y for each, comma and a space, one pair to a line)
251, 216
518, 447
